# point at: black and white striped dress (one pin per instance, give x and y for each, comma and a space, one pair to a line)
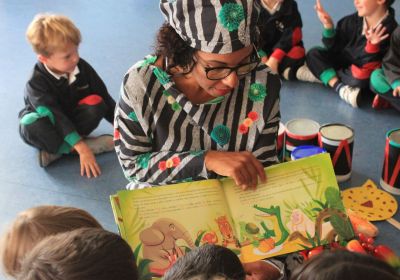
161, 137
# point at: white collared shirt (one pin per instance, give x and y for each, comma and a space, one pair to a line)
274, 9
71, 77
365, 24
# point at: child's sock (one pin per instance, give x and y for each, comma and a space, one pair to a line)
338, 85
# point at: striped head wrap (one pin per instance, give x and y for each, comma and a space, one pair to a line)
213, 26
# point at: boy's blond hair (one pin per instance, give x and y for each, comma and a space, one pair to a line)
48, 33
35, 224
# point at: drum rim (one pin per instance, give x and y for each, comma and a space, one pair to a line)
392, 143
337, 124
308, 136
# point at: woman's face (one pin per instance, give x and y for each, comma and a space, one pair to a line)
224, 86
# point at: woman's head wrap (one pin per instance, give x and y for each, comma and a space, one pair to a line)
213, 26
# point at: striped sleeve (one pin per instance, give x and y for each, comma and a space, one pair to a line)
265, 147
134, 124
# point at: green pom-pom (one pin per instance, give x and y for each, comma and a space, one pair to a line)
176, 106
257, 92
132, 116
143, 160
221, 134
166, 93
161, 75
231, 15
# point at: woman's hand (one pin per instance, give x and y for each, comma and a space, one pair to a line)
243, 167
323, 16
377, 35
89, 165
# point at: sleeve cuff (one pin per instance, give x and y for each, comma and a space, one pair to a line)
371, 48
278, 54
395, 84
72, 138
328, 33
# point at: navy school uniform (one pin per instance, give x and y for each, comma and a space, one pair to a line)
57, 114
281, 36
347, 53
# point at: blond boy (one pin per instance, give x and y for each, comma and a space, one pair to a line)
65, 99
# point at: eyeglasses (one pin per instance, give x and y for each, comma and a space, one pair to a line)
219, 73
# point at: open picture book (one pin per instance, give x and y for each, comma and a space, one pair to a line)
299, 207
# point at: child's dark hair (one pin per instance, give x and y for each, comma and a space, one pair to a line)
206, 262
170, 45
341, 265
86, 253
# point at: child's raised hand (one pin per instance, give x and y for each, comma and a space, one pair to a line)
377, 35
323, 16
396, 92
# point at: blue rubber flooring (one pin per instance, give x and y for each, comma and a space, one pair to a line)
115, 35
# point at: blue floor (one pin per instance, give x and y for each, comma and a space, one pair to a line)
115, 35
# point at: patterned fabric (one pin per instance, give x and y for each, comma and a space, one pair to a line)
164, 146
213, 26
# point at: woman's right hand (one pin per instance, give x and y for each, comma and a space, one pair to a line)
323, 16
243, 167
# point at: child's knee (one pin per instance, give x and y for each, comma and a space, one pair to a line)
378, 82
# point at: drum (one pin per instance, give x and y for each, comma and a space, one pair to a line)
390, 180
338, 139
300, 132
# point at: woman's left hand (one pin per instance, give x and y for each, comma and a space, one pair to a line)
243, 167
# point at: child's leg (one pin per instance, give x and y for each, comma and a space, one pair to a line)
90, 111
321, 63
381, 86
39, 131
293, 60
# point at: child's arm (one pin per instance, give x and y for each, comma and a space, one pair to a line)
396, 91
87, 159
323, 16
391, 62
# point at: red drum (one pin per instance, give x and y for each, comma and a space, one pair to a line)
338, 139
390, 180
300, 132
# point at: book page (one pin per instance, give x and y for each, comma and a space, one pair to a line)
162, 223
299, 207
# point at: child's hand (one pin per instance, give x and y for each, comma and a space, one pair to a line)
396, 92
273, 63
376, 36
323, 16
88, 162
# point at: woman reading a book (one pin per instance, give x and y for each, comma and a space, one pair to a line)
203, 106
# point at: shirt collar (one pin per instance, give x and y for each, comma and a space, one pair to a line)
365, 24
274, 9
70, 78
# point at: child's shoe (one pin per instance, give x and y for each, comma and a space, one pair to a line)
350, 95
101, 144
45, 158
304, 74
286, 73
380, 103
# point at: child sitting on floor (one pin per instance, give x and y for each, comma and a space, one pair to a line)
35, 224
84, 254
385, 82
281, 38
353, 49
65, 99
